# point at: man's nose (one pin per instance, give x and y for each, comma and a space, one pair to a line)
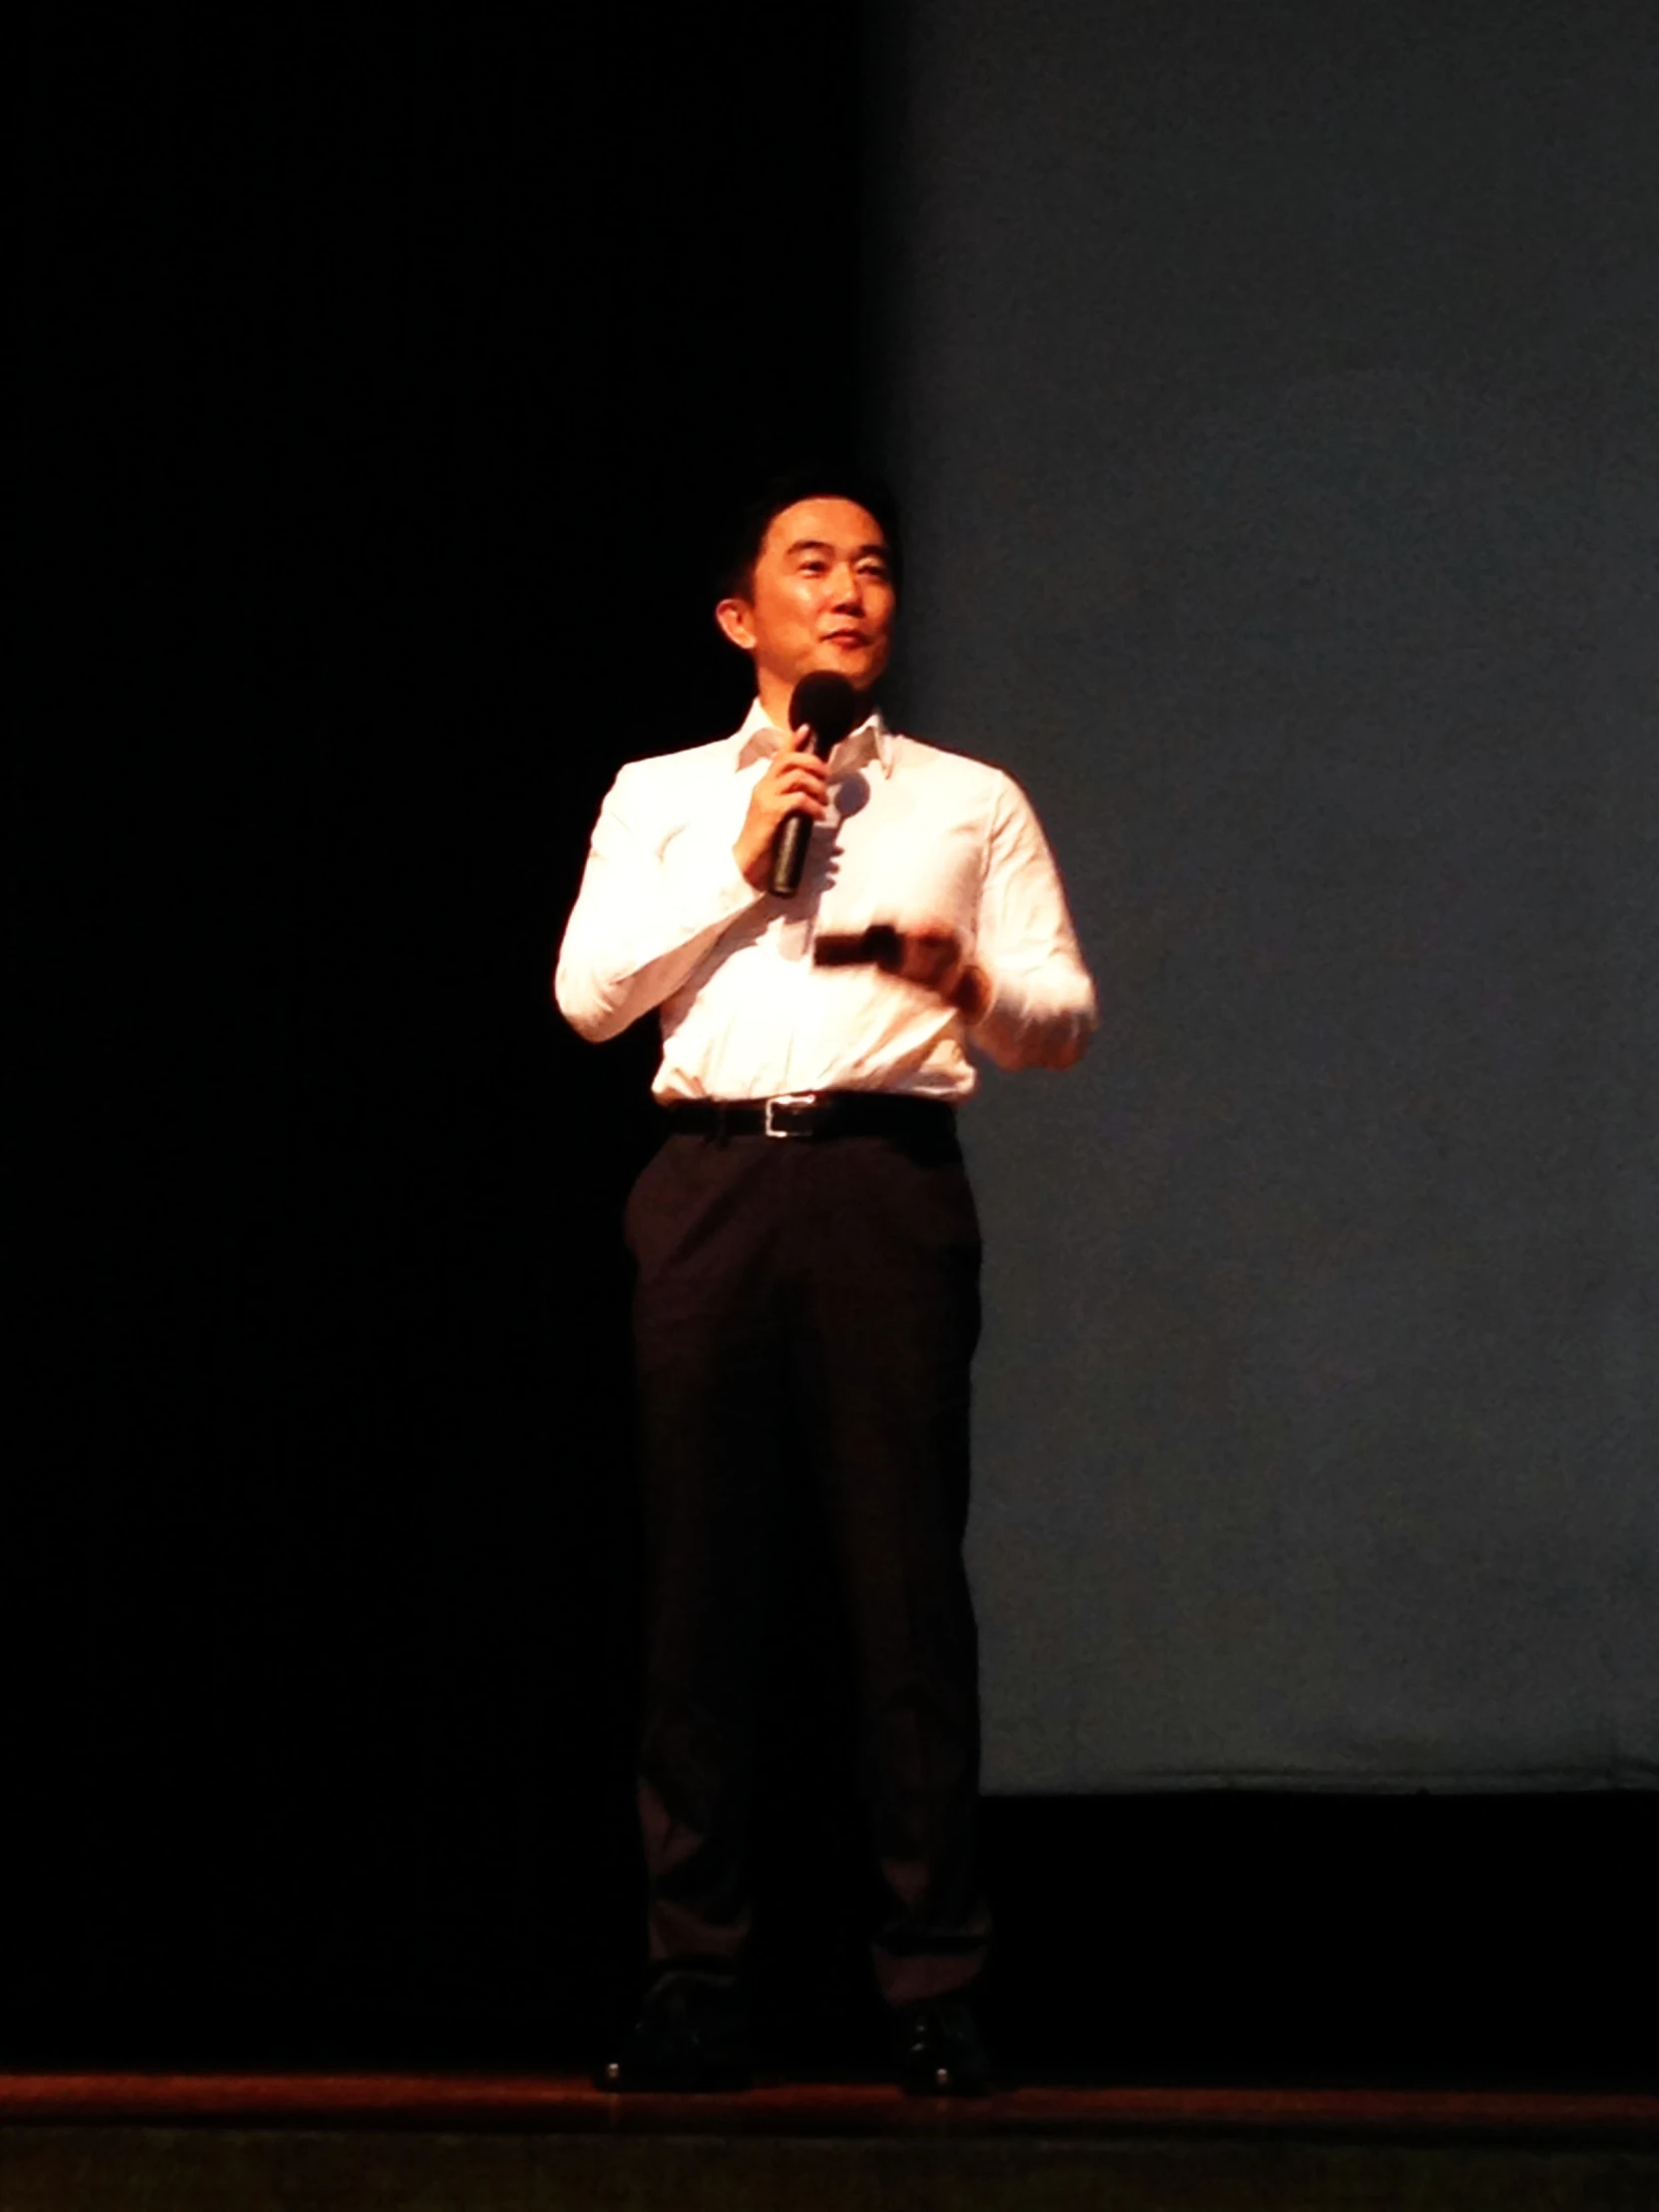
850, 587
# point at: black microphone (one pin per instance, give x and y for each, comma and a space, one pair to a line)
829, 706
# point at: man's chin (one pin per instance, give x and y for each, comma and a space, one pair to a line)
859, 671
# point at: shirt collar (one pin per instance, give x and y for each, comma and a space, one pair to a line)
868, 739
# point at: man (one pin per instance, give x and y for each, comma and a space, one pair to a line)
808, 1290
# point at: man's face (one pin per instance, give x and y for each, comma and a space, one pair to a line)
821, 598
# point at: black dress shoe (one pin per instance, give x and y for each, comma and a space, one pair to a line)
939, 2051
691, 2040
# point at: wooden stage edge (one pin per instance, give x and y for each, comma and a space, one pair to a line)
565, 2104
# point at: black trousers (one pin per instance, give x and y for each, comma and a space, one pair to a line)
807, 1310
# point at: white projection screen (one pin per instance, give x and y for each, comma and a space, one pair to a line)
1272, 402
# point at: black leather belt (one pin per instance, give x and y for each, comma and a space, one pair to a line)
819, 1114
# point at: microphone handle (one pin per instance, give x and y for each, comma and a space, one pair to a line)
789, 846
789, 855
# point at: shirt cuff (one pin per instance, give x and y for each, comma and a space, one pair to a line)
1019, 1030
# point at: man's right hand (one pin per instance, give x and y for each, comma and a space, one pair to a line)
796, 782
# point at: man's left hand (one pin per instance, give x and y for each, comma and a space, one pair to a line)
931, 954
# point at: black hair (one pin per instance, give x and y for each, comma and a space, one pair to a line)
735, 572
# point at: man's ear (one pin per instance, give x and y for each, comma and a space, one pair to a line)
733, 617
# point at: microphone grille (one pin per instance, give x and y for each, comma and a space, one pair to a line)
829, 706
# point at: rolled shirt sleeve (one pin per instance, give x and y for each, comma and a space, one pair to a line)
656, 893
1042, 1008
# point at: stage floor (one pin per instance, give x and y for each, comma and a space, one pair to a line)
568, 2104
450, 2142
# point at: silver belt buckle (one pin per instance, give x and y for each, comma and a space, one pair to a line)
785, 1104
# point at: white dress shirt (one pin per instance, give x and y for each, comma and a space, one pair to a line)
666, 920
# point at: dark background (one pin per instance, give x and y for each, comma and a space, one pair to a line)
382, 374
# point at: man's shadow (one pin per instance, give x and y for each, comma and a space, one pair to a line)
818, 878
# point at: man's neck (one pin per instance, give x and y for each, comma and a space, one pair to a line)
775, 694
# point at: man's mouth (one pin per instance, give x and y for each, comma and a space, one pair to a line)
846, 637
